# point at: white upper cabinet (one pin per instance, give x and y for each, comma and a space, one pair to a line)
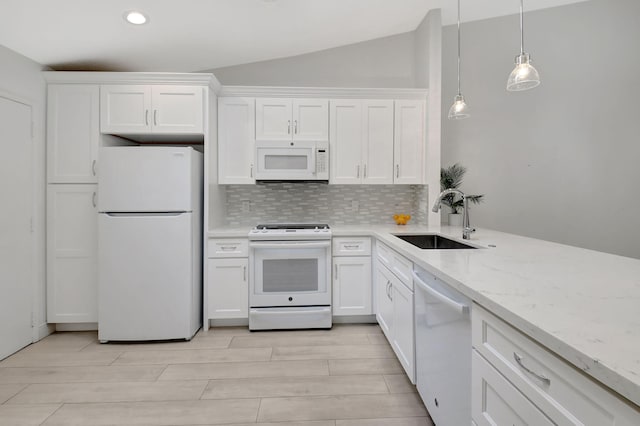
409, 142
236, 140
72, 133
361, 141
280, 119
144, 109
345, 141
377, 132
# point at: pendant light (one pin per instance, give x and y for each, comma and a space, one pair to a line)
459, 109
524, 76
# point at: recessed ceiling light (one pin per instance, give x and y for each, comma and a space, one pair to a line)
134, 17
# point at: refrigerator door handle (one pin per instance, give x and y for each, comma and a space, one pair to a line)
144, 214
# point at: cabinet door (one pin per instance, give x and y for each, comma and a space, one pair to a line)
236, 140
125, 109
273, 119
72, 281
403, 341
352, 285
409, 141
177, 109
384, 302
495, 401
228, 288
377, 134
73, 131
345, 142
310, 120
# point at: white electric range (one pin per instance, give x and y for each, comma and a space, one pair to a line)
289, 276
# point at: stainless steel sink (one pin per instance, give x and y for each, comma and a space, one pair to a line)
433, 242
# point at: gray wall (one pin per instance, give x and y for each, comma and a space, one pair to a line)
383, 62
559, 162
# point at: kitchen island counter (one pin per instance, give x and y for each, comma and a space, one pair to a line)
581, 304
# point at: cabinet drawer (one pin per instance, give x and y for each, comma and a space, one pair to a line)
496, 402
398, 264
358, 246
228, 248
565, 394
402, 267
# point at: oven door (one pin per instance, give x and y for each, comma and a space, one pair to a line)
290, 273
286, 161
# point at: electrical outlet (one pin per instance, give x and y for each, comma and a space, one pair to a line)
355, 206
246, 206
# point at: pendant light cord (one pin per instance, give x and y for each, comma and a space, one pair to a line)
521, 27
459, 93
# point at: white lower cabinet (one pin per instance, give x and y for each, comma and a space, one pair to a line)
228, 288
498, 402
565, 395
72, 278
227, 279
394, 308
352, 290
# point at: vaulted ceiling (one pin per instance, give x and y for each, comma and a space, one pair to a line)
193, 35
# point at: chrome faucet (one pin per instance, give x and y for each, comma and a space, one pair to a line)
466, 228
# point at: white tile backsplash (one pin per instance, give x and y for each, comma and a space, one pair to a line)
319, 202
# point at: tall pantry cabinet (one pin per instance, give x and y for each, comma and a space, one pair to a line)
72, 159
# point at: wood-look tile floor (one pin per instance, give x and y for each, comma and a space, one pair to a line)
346, 376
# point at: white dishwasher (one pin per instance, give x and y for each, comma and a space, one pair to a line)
443, 349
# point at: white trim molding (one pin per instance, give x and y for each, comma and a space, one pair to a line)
322, 92
82, 77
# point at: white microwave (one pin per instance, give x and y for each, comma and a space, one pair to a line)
291, 160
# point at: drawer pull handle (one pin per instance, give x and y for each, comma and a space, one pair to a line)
351, 246
228, 248
540, 377
244, 273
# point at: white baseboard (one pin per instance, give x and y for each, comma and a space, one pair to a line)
43, 330
231, 322
80, 326
355, 319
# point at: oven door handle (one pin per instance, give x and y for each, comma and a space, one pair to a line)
290, 244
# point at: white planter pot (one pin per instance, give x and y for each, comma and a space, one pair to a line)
455, 219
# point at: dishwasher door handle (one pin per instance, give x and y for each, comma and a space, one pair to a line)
459, 307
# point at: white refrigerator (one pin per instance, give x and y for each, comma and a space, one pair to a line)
149, 243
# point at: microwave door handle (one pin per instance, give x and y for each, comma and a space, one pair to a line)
313, 161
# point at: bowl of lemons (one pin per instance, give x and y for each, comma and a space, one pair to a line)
401, 219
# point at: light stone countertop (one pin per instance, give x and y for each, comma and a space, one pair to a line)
581, 304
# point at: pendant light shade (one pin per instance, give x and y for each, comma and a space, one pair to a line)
459, 109
524, 76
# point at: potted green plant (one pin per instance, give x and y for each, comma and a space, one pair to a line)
451, 177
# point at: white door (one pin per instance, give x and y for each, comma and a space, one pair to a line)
409, 142
236, 140
16, 251
72, 245
228, 288
273, 119
345, 142
352, 285
125, 109
311, 120
73, 123
377, 135
145, 276
178, 109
